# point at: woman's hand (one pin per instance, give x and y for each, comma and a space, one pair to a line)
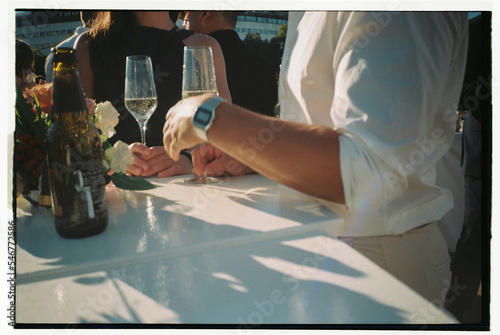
156, 161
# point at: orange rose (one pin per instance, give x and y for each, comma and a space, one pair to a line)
44, 95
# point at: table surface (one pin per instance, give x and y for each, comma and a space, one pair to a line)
243, 252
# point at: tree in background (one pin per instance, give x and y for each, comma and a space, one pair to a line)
272, 50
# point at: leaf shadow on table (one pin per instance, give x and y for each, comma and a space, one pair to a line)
292, 208
243, 286
248, 287
136, 226
143, 231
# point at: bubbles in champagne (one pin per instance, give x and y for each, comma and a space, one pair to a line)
188, 94
141, 108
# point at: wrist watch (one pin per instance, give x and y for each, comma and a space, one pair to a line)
204, 116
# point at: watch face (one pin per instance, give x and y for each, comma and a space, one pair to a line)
202, 117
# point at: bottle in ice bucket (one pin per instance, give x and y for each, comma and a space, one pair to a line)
74, 155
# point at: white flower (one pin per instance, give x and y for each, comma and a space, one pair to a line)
106, 118
118, 157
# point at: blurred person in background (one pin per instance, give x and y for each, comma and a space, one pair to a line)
251, 79
102, 53
471, 255
25, 61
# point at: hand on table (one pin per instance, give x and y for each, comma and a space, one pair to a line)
179, 134
156, 161
215, 162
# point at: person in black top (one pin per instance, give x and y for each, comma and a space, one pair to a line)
102, 53
251, 78
470, 265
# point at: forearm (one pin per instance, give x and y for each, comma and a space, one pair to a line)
300, 156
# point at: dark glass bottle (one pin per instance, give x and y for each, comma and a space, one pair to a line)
74, 151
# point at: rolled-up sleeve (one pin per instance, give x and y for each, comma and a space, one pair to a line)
388, 83
396, 90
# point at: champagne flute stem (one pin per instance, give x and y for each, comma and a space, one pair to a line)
142, 125
203, 162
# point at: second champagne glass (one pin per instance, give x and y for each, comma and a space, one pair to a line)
140, 91
198, 77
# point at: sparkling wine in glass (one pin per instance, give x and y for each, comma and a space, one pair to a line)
140, 91
198, 77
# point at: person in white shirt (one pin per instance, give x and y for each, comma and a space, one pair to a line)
368, 106
86, 16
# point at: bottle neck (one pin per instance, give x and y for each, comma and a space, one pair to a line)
67, 93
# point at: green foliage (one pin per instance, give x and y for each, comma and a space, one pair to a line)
270, 49
131, 183
281, 37
27, 123
29, 149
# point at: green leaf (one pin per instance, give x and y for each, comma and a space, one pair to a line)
131, 183
105, 145
107, 178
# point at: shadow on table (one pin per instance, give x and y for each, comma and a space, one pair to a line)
249, 286
234, 286
140, 222
134, 227
292, 209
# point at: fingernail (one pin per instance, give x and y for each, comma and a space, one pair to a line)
137, 171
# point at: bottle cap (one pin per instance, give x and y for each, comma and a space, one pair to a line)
64, 55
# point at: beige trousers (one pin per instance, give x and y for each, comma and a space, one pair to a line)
419, 258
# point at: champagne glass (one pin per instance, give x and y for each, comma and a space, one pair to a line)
198, 77
140, 91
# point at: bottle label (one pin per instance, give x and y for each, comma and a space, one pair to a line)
78, 186
89, 184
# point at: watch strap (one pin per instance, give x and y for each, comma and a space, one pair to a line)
208, 106
187, 154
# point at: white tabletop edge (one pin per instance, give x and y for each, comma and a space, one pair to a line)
182, 251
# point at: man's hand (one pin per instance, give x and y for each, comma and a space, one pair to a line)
178, 132
215, 162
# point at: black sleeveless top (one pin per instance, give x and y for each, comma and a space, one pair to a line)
166, 49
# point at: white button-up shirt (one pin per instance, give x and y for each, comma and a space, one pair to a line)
389, 83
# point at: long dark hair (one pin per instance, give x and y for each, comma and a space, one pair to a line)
111, 23
109, 35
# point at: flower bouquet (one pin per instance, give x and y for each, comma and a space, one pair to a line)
116, 157
33, 120
29, 150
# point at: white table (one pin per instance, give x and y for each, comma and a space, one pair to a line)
244, 252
